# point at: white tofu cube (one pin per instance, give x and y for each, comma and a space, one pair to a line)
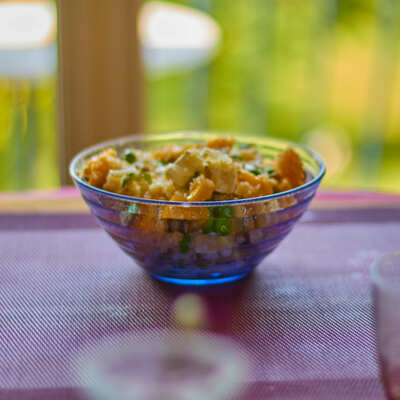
183, 169
222, 170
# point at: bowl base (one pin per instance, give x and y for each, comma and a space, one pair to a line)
200, 282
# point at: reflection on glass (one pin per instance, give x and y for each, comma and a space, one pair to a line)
164, 365
386, 295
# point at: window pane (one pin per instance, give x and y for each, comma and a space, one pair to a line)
28, 136
323, 72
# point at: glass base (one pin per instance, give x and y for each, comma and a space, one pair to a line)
200, 282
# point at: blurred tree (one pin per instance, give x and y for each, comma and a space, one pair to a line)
322, 71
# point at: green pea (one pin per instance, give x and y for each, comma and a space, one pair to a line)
184, 243
130, 156
225, 212
222, 226
127, 179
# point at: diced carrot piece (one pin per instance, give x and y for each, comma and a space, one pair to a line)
178, 196
284, 185
169, 153
287, 201
266, 186
222, 196
288, 165
192, 213
201, 189
98, 167
245, 189
248, 177
248, 154
261, 186
178, 212
148, 223
221, 143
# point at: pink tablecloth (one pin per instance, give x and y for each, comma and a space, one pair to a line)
305, 315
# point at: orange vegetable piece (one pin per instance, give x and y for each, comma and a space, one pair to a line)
178, 196
287, 201
97, 168
192, 213
201, 189
262, 186
148, 223
248, 177
284, 185
244, 189
266, 186
248, 154
178, 212
221, 143
289, 166
168, 153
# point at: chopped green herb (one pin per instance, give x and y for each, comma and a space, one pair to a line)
222, 226
245, 145
162, 162
305, 175
270, 171
253, 169
184, 243
127, 178
85, 178
130, 156
209, 226
224, 212
133, 209
196, 174
147, 178
236, 157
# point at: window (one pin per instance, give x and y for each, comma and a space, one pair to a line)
323, 72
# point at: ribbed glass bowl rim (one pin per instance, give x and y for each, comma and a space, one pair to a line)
186, 135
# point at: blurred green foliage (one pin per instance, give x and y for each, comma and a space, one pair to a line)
28, 138
324, 72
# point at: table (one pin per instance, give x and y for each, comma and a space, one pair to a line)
305, 316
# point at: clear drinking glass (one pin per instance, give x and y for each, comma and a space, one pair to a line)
386, 295
164, 365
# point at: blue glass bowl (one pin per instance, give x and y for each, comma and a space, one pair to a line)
171, 241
